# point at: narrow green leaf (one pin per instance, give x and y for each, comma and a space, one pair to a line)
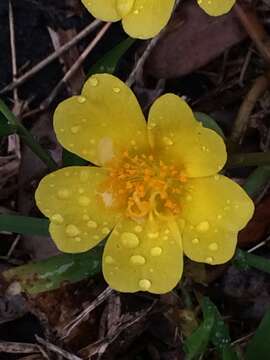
45, 275
259, 346
70, 159
5, 127
255, 261
24, 225
109, 62
258, 179
209, 122
26, 136
197, 343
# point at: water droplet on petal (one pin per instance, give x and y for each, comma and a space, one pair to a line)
72, 230
209, 260
124, 7
109, 260
219, 216
105, 231
63, 194
57, 219
130, 240
75, 129
195, 241
153, 235
203, 226
156, 251
137, 260
116, 90
84, 200
92, 224
167, 141
81, 99
93, 81
138, 229
213, 246
145, 284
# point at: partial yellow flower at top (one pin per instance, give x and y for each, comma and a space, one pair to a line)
154, 191
216, 7
141, 19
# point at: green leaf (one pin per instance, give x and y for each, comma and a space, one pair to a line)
24, 225
212, 329
255, 261
5, 127
257, 180
26, 136
70, 159
259, 346
209, 123
49, 274
197, 343
109, 62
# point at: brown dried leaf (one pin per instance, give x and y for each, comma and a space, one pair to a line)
191, 41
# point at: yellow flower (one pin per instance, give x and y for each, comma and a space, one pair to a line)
216, 7
142, 19
154, 190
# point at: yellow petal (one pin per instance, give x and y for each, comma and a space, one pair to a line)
81, 213
143, 256
148, 18
101, 123
177, 137
102, 9
216, 7
214, 209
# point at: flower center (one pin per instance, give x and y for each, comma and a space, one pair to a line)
142, 185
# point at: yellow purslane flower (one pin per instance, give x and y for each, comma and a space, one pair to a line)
154, 190
142, 19
216, 7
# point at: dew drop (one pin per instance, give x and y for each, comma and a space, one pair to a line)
153, 235
116, 90
84, 200
219, 216
105, 231
63, 194
167, 141
130, 240
72, 230
138, 228
136, 12
213, 246
137, 260
93, 81
145, 284
195, 241
156, 251
81, 99
92, 224
203, 226
209, 260
75, 129
109, 260
57, 219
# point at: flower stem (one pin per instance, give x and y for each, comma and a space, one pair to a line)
27, 137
